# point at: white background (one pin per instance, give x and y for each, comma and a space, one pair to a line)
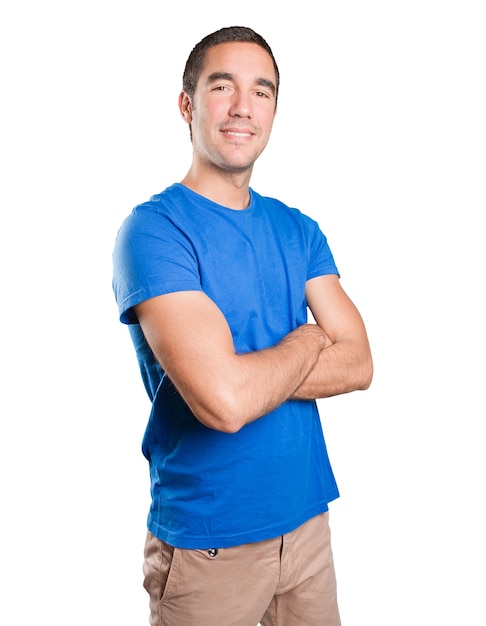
380, 136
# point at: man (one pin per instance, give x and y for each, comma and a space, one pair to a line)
214, 281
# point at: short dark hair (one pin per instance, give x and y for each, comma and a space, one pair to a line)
196, 59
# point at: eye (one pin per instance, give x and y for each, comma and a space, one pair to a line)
261, 94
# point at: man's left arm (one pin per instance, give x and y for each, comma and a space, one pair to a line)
346, 364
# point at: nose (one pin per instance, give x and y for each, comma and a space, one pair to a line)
241, 105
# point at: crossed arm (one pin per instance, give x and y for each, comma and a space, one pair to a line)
193, 343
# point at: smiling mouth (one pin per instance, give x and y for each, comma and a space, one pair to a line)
237, 133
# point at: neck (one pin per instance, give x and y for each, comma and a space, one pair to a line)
229, 189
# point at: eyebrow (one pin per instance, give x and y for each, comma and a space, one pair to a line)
262, 82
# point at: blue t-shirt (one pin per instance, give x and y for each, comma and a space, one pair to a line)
212, 489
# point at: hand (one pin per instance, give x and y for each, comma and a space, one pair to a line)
313, 332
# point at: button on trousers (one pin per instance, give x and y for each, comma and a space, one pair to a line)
286, 581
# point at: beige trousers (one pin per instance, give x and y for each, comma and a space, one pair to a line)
286, 581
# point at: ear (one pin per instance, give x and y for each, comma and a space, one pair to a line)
185, 106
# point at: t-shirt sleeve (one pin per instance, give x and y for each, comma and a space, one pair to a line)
321, 260
151, 257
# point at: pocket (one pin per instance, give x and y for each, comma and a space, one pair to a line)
190, 576
171, 557
189, 573
159, 557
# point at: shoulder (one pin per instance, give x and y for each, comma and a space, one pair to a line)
281, 211
154, 215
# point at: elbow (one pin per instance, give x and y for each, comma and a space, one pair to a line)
229, 426
222, 422
367, 374
220, 403
222, 413
231, 416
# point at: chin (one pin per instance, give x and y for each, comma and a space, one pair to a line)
238, 165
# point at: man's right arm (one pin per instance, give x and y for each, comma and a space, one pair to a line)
192, 341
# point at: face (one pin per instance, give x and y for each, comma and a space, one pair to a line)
233, 107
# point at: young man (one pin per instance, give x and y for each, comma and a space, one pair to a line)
214, 281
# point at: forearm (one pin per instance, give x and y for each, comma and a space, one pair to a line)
343, 367
262, 380
239, 388
192, 341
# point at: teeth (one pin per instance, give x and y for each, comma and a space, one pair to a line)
235, 134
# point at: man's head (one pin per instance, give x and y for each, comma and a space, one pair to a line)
229, 99
196, 59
